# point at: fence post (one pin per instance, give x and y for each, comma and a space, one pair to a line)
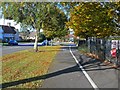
95, 44
104, 48
89, 44
118, 53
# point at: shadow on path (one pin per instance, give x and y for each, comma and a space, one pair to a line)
53, 74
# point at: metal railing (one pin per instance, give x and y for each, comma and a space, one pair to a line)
105, 49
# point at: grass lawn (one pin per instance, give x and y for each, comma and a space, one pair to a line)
27, 64
4, 44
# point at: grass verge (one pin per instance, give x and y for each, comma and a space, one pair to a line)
83, 49
27, 64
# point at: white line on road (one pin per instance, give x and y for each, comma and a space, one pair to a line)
84, 72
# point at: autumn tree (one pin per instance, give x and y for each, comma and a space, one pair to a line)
67, 6
115, 13
38, 15
91, 20
29, 13
54, 25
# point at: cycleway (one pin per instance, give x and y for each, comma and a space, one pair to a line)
70, 69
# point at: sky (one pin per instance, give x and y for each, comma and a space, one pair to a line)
63, 9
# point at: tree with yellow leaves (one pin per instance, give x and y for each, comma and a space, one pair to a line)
91, 19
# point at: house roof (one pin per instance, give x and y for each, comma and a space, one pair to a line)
32, 34
70, 35
8, 29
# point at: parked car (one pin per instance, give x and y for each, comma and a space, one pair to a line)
45, 42
12, 42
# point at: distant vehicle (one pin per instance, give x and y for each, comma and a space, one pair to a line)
45, 42
12, 42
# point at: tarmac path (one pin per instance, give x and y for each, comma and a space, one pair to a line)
84, 72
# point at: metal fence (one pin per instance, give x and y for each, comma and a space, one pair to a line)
105, 49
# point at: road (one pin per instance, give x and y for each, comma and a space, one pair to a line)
11, 49
70, 71
21, 46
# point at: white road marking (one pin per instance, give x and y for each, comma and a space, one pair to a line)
84, 72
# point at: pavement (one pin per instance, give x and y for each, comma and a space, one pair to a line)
64, 72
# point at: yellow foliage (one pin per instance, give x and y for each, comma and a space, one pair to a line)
95, 29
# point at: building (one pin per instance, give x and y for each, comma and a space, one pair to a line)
24, 35
9, 29
71, 35
10, 23
8, 32
32, 35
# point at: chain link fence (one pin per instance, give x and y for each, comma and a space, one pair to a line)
105, 49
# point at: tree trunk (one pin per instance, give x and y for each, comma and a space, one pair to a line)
36, 43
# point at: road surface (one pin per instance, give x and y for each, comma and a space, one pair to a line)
21, 46
11, 49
